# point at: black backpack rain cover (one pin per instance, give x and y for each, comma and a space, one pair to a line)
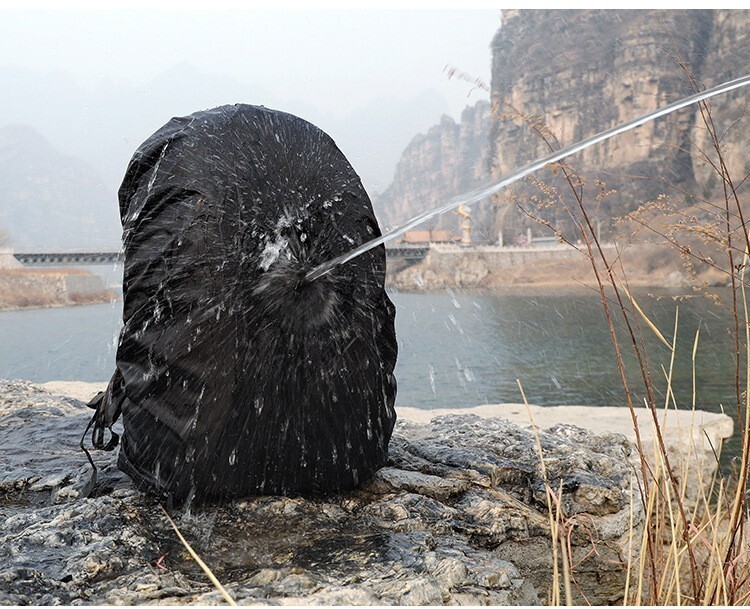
234, 375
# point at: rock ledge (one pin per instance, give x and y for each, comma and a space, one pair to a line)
459, 516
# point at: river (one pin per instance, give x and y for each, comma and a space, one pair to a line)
455, 349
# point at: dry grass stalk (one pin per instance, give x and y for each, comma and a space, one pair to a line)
217, 584
556, 533
701, 554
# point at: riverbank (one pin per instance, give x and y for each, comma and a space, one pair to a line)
22, 288
492, 267
459, 516
692, 437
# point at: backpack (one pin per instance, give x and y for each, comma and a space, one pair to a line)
234, 375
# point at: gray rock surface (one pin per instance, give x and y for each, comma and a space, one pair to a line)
691, 437
458, 517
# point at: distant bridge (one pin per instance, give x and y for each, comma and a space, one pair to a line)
72, 258
67, 258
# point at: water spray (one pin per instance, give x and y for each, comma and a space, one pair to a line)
485, 191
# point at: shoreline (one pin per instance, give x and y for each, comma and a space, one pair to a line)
689, 434
567, 284
563, 286
24, 288
58, 305
498, 268
459, 504
454, 517
610, 419
534, 288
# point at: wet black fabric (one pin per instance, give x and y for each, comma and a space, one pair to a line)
234, 375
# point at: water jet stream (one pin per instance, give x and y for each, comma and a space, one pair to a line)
482, 192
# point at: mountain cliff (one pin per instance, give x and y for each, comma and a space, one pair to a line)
449, 159
566, 75
727, 57
583, 71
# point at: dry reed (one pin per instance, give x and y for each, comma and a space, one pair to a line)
687, 553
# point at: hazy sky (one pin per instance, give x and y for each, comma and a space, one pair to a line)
333, 59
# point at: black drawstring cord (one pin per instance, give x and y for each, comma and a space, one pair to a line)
97, 440
91, 484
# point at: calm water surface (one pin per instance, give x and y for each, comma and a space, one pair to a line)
455, 349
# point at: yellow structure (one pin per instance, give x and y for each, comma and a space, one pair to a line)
465, 224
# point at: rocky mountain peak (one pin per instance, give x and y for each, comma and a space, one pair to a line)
569, 74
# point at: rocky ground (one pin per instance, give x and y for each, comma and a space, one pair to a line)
459, 516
